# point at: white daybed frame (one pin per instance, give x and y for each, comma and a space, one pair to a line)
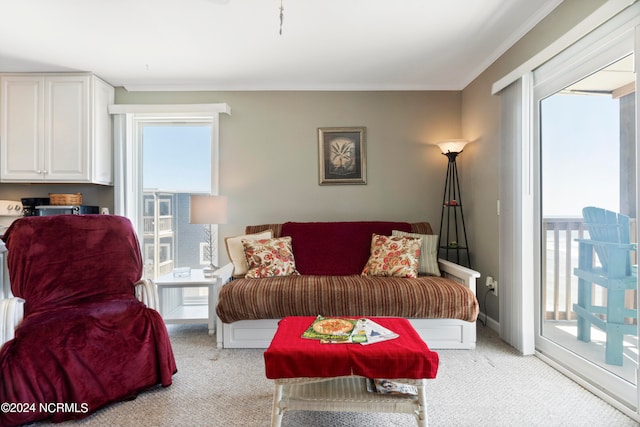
437, 333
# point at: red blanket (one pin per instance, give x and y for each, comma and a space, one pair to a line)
85, 340
290, 356
335, 248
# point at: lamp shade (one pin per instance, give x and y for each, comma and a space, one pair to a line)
452, 145
208, 209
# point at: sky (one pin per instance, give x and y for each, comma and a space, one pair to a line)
177, 158
580, 142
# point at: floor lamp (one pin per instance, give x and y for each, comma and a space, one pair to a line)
208, 210
453, 233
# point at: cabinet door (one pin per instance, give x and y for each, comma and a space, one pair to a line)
102, 158
67, 137
21, 124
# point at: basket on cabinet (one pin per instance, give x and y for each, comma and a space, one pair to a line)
65, 199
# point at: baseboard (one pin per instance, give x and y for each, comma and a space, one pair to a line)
489, 322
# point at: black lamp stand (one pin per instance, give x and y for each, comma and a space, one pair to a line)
453, 233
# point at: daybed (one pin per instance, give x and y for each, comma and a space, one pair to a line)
328, 260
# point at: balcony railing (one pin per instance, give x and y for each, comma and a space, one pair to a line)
560, 257
165, 224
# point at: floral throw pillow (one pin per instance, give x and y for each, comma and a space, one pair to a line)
393, 256
428, 262
235, 250
269, 257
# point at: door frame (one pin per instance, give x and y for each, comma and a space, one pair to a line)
610, 42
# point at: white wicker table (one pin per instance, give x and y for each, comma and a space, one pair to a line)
344, 394
342, 387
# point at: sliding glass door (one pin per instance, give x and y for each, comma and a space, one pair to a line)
585, 145
587, 139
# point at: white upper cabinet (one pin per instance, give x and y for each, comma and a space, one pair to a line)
55, 128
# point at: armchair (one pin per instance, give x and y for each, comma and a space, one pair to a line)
610, 242
85, 341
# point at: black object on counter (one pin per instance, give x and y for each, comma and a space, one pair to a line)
29, 205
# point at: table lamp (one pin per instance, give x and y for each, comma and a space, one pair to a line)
208, 210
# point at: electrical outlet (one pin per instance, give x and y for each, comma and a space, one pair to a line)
492, 284
489, 282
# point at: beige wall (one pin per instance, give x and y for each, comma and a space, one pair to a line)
269, 155
481, 124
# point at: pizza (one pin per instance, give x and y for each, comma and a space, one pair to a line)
333, 326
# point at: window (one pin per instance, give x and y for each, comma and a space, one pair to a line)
176, 162
164, 154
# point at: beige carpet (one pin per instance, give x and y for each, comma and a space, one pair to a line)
491, 386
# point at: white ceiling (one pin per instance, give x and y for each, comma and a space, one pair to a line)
236, 45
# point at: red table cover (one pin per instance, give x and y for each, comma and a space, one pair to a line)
291, 356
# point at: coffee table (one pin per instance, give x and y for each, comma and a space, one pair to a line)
312, 376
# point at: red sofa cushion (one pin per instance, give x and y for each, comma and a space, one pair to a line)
335, 248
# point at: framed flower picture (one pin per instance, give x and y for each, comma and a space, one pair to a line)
342, 155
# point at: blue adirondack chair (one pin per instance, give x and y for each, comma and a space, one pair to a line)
609, 241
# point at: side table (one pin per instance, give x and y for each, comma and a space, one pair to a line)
196, 313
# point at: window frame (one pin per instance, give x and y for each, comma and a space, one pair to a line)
129, 120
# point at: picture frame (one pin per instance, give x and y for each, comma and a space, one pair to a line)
342, 155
